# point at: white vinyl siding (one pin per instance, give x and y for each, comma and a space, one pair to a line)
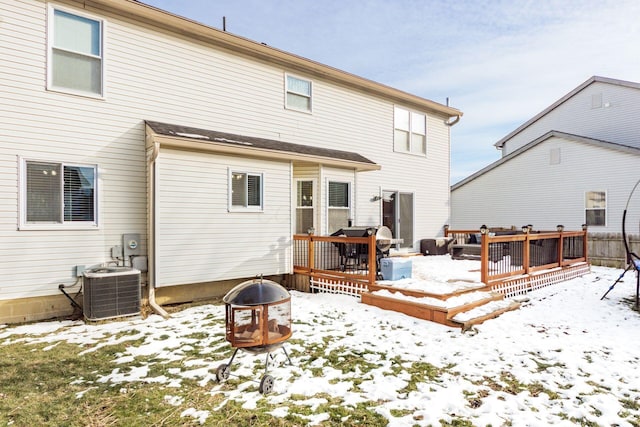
220, 91
75, 53
616, 120
545, 204
199, 240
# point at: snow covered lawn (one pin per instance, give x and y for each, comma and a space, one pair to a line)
563, 358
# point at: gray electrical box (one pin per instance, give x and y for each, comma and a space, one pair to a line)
131, 244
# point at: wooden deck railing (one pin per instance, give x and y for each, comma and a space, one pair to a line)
523, 254
509, 255
351, 259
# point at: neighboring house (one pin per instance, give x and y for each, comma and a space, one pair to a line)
574, 163
119, 118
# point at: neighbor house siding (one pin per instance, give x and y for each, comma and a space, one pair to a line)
200, 240
615, 119
527, 189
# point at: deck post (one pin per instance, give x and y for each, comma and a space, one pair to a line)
311, 252
484, 258
525, 253
372, 261
585, 243
560, 250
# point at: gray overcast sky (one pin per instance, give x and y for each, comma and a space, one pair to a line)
500, 62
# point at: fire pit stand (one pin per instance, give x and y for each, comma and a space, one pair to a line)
258, 321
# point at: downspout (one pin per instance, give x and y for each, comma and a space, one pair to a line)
152, 168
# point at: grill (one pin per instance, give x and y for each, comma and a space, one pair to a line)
353, 256
258, 321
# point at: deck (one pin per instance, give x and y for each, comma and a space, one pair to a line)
509, 266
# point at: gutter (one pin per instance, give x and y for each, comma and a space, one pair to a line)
152, 168
455, 120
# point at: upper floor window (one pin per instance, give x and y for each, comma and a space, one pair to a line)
246, 191
595, 208
298, 93
58, 193
75, 53
338, 206
410, 131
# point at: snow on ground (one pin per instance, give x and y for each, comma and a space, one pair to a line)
564, 358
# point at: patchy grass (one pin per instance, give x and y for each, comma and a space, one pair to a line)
60, 387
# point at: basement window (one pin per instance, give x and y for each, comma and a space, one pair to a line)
58, 194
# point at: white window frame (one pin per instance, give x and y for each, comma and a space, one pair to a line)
349, 206
313, 202
50, 47
246, 207
287, 91
23, 224
594, 209
413, 129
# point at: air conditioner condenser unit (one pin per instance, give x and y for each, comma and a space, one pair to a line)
111, 292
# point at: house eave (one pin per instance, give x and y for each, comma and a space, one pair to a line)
208, 146
223, 39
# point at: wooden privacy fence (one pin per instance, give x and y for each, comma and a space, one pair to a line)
337, 264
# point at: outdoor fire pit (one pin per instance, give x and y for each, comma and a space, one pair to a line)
258, 320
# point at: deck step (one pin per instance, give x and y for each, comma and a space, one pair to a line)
457, 309
488, 311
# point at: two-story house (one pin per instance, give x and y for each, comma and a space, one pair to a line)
574, 163
120, 120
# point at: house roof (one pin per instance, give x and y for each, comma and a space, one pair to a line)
190, 138
546, 136
197, 31
556, 104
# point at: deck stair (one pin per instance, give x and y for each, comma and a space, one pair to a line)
462, 307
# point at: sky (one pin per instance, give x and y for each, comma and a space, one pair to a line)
565, 357
500, 62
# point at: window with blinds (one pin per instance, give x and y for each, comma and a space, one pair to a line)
75, 53
246, 191
297, 93
56, 193
338, 206
596, 208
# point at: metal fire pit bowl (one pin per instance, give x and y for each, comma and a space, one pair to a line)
258, 320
